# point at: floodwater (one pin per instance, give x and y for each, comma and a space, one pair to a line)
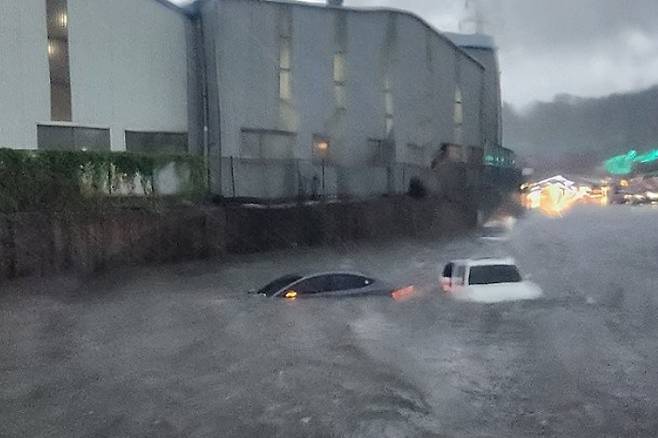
182, 350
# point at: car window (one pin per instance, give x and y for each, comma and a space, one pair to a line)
314, 285
460, 273
349, 282
278, 284
494, 274
447, 271
494, 231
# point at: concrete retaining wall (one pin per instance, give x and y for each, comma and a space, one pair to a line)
42, 244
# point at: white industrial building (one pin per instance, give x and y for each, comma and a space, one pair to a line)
110, 68
282, 97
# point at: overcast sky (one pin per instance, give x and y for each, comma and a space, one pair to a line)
547, 47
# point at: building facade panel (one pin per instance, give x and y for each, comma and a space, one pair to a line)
418, 91
482, 47
246, 46
314, 103
24, 72
492, 99
444, 85
361, 80
366, 62
471, 83
128, 66
264, 89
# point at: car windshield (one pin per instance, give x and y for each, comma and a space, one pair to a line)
493, 274
278, 284
494, 231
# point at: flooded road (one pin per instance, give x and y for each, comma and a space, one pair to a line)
181, 350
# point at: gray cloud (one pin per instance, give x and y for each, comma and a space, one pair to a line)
587, 48
550, 47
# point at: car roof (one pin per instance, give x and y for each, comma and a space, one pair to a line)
494, 224
488, 261
317, 274
303, 277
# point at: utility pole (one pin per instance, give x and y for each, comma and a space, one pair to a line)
474, 17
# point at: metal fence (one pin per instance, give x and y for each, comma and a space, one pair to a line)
287, 179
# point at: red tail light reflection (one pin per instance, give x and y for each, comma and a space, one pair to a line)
404, 293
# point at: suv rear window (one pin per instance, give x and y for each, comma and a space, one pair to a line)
494, 274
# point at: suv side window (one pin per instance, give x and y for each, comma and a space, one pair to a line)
350, 282
459, 274
447, 271
314, 285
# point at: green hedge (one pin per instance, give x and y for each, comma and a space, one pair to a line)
49, 180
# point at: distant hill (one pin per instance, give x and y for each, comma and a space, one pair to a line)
578, 134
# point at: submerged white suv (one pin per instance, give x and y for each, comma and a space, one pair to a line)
487, 281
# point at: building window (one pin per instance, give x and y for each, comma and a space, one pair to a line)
285, 90
285, 56
389, 125
250, 144
321, 148
265, 143
339, 68
58, 60
72, 138
339, 81
459, 107
341, 97
388, 104
459, 116
156, 142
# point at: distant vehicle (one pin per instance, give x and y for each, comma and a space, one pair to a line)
646, 198
487, 280
635, 199
652, 197
496, 232
330, 284
596, 192
627, 198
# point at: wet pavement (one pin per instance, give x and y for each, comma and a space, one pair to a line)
181, 350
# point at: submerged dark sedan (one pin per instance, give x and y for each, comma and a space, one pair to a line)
330, 284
